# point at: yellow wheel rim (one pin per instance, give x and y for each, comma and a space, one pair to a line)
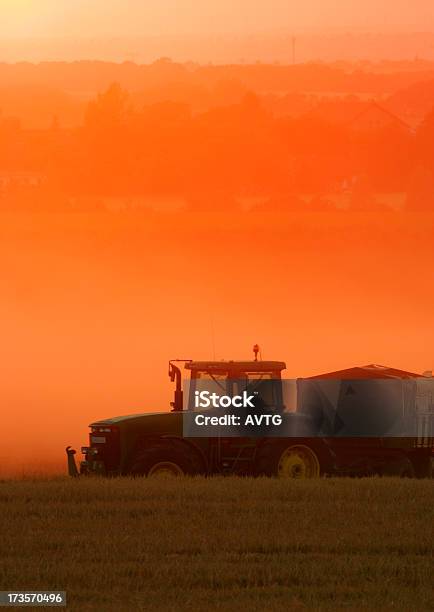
165, 468
298, 461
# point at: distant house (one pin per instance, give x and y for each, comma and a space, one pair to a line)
358, 115
414, 102
376, 117
337, 111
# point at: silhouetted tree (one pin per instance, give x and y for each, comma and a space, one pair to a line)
110, 110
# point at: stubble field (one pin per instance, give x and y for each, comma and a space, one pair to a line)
221, 543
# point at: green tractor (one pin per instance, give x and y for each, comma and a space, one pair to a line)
151, 444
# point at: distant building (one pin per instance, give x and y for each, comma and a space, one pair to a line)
375, 117
358, 115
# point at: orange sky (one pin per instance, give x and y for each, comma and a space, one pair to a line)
222, 31
27, 18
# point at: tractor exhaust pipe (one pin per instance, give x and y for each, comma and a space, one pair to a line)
175, 375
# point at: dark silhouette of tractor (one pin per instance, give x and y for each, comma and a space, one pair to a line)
332, 426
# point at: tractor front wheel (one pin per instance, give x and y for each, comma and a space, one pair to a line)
161, 461
166, 468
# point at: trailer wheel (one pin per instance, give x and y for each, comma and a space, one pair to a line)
401, 467
422, 465
297, 460
161, 461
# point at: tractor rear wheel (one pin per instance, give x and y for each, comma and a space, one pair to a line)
294, 460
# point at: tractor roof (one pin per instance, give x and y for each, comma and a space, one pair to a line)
243, 366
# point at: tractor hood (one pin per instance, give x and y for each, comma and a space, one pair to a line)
126, 417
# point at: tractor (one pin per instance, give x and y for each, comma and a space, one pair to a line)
314, 444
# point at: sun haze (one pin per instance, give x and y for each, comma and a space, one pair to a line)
154, 208
172, 17
221, 31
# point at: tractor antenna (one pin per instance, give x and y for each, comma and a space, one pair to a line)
213, 337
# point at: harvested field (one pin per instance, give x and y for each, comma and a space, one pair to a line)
221, 543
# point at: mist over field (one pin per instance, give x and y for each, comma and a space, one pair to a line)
94, 305
160, 206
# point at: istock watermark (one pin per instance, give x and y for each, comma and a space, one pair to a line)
226, 420
260, 406
206, 399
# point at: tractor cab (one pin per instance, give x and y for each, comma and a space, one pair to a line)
264, 378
